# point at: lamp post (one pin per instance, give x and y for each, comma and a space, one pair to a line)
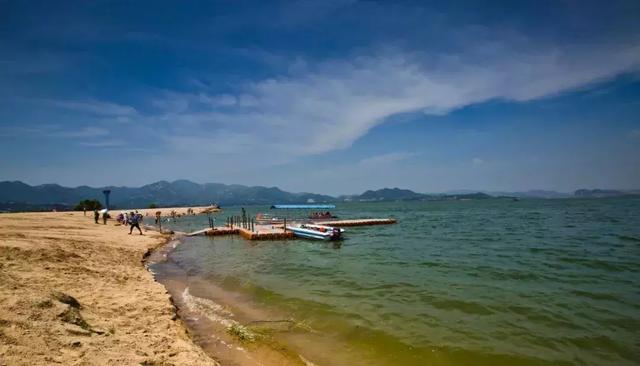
106, 193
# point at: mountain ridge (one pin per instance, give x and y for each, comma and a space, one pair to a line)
17, 195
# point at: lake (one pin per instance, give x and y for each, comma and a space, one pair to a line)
482, 282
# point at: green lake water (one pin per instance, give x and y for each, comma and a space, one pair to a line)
485, 282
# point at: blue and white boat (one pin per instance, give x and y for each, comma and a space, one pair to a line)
318, 232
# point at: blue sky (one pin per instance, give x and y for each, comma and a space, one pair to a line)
324, 96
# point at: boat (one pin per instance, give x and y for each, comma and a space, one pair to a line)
319, 232
322, 216
266, 219
303, 207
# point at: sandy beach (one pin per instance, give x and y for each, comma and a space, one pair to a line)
74, 292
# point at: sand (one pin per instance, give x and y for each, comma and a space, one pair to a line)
124, 317
150, 212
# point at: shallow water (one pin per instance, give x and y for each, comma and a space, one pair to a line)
453, 283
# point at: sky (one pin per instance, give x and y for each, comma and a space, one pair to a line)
332, 97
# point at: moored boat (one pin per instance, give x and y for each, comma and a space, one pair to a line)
322, 216
266, 219
318, 232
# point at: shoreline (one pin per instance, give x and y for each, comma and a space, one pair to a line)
208, 322
76, 292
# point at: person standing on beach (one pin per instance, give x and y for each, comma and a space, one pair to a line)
134, 221
105, 216
96, 215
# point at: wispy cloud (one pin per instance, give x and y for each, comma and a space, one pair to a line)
95, 107
384, 159
328, 105
81, 132
102, 143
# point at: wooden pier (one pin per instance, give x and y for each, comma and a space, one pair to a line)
356, 222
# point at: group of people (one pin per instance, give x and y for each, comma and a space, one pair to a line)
131, 219
96, 216
321, 215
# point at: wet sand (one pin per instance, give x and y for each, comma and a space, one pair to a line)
48, 261
210, 321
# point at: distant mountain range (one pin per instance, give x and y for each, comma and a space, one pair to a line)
605, 193
178, 193
18, 196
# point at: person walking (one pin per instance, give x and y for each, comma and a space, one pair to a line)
134, 221
96, 215
105, 216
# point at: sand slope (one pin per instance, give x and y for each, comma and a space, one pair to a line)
125, 317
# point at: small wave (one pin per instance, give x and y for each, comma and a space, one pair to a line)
306, 362
628, 238
463, 306
209, 309
595, 296
596, 264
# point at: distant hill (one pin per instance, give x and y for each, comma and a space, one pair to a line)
397, 194
18, 195
605, 193
536, 193
391, 194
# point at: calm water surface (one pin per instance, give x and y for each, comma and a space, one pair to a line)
453, 283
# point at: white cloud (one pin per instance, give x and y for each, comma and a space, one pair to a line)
329, 105
477, 161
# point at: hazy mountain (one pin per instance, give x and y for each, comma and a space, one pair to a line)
390, 194
605, 193
536, 193
397, 194
542, 194
18, 196
163, 193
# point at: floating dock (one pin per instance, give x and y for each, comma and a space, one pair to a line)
355, 222
260, 232
256, 231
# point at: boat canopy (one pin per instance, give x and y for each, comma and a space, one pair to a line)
321, 207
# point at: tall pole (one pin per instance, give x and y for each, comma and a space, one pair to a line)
106, 193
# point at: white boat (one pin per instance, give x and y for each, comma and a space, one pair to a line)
319, 232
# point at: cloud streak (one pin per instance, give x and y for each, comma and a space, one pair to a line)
327, 106
94, 107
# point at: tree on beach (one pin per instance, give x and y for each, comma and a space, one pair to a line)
153, 205
89, 205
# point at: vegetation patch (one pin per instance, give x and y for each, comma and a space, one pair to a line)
44, 304
241, 332
72, 315
66, 299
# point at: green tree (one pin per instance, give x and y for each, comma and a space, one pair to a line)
89, 205
153, 205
